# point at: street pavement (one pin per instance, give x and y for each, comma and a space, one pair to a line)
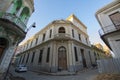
84, 75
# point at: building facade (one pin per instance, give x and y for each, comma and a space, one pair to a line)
14, 15
109, 20
63, 45
100, 52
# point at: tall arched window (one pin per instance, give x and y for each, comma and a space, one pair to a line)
61, 30
25, 14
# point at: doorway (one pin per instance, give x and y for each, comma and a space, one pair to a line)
83, 58
62, 59
3, 46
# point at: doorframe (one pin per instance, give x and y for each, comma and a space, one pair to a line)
65, 57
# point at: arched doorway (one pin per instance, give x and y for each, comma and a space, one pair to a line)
3, 46
62, 59
83, 58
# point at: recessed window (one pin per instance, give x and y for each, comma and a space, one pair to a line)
73, 33
40, 56
79, 35
27, 57
33, 55
75, 50
50, 33
36, 40
90, 57
20, 59
31, 44
115, 17
61, 30
23, 58
86, 40
43, 37
48, 53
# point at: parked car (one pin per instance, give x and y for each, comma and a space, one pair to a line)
21, 68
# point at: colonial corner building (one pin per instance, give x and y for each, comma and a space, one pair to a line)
14, 15
63, 45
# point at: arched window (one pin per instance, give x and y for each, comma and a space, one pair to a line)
25, 13
61, 30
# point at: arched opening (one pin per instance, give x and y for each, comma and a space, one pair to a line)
25, 14
3, 46
17, 6
61, 30
62, 59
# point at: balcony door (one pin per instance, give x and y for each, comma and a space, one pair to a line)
62, 59
116, 19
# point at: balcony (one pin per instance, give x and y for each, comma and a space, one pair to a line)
62, 36
108, 29
13, 18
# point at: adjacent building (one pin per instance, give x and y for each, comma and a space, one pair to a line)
14, 15
109, 20
63, 45
100, 52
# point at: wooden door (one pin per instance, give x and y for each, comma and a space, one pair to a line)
62, 59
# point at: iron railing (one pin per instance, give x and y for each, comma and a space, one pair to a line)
62, 36
14, 19
108, 29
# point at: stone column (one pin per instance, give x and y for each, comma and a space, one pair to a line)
71, 68
54, 59
71, 57
10, 8
6, 59
19, 12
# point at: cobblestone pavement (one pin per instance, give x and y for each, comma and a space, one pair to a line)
87, 75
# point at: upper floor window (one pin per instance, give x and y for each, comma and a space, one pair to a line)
43, 37
73, 33
86, 40
115, 17
79, 35
36, 40
61, 30
50, 33
31, 43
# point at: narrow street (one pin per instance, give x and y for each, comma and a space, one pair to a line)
87, 75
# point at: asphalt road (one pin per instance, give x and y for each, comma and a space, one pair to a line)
84, 75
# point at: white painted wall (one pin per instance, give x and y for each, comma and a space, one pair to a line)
108, 26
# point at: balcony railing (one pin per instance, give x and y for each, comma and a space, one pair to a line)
108, 29
14, 19
62, 36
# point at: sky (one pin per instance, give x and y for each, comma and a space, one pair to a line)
48, 10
